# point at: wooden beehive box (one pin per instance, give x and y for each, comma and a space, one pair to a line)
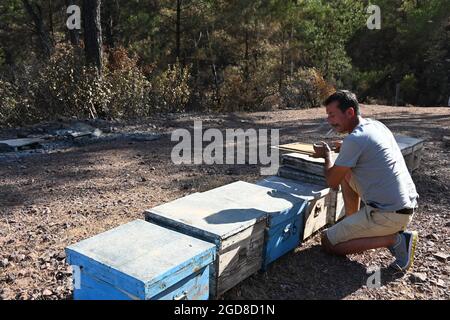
324, 206
141, 261
299, 175
412, 149
307, 169
234, 217
305, 163
284, 214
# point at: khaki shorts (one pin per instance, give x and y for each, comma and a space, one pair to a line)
367, 222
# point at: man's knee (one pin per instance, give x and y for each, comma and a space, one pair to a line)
329, 248
326, 244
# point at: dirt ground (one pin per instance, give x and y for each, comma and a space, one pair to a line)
48, 201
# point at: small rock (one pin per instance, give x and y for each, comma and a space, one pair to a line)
97, 133
143, 179
440, 283
32, 210
61, 255
59, 275
446, 271
6, 294
432, 236
9, 278
20, 257
153, 168
418, 277
22, 283
4, 263
442, 256
186, 186
47, 293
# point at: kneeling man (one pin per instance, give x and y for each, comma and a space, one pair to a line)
369, 166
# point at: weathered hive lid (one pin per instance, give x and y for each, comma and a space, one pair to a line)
306, 191
307, 158
141, 258
278, 205
407, 144
219, 213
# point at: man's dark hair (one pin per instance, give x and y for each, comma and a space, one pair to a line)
346, 100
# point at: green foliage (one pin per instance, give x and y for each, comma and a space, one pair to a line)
326, 27
414, 40
306, 88
9, 103
408, 87
224, 55
238, 93
171, 90
128, 86
65, 86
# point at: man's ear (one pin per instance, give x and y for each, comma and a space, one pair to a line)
350, 112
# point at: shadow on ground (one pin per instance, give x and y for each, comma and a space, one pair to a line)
308, 274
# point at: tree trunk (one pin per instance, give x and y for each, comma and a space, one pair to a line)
45, 39
281, 71
111, 12
214, 70
50, 18
196, 67
397, 94
9, 57
178, 31
255, 51
291, 55
246, 68
93, 33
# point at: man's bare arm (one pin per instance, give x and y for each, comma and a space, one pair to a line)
333, 174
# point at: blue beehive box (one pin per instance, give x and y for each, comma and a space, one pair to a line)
235, 217
141, 261
284, 214
320, 202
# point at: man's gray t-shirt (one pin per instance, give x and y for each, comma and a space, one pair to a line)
378, 167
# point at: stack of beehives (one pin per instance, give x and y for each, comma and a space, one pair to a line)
328, 206
202, 245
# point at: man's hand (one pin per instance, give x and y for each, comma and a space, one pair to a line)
321, 150
337, 145
333, 174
